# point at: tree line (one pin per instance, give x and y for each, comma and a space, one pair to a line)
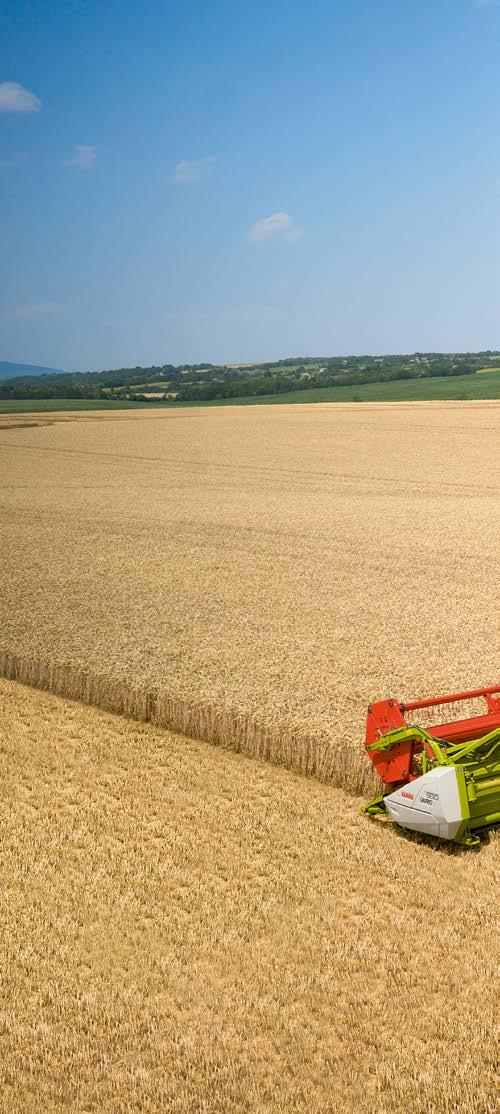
206, 382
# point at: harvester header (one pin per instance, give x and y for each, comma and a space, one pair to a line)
442, 779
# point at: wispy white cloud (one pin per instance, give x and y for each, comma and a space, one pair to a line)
36, 309
15, 98
192, 171
278, 225
84, 156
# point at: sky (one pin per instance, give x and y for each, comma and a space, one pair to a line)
237, 180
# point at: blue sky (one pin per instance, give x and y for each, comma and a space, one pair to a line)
228, 181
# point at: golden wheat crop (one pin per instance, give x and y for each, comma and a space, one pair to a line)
254, 575
185, 930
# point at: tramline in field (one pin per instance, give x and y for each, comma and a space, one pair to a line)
445, 780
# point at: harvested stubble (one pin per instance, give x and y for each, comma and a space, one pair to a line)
185, 930
253, 576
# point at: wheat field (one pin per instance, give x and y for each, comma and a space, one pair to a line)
188, 930
185, 929
252, 576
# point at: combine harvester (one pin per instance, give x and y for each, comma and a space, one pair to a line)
442, 780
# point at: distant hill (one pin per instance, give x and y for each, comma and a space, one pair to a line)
8, 370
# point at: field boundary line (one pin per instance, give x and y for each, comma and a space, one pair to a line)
281, 745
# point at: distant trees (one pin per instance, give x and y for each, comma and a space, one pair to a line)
204, 382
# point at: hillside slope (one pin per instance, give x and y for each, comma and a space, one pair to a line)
9, 370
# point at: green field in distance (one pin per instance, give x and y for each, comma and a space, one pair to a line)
401, 390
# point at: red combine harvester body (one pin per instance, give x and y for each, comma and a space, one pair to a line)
395, 765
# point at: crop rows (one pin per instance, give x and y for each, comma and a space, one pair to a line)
347, 769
